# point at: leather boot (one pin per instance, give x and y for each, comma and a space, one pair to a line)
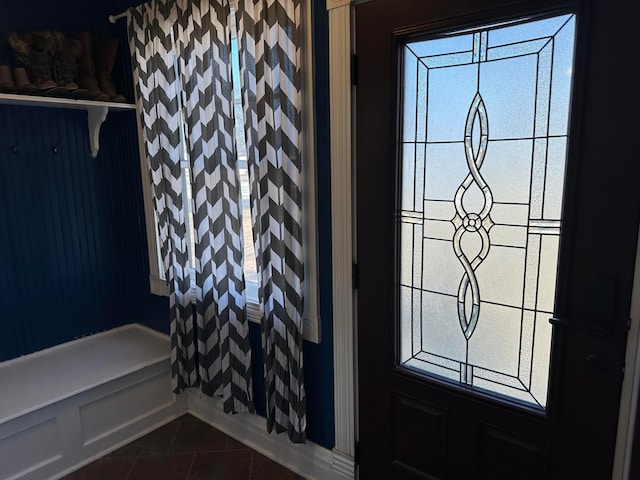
35, 52
106, 59
65, 65
87, 71
23, 84
6, 80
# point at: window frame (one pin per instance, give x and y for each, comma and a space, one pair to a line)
311, 317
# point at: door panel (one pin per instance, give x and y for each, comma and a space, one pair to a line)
526, 457
414, 424
420, 435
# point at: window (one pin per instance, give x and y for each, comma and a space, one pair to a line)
157, 282
485, 130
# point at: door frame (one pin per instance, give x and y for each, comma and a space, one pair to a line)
341, 97
630, 385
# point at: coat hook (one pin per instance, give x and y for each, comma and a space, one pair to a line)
14, 148
56, 148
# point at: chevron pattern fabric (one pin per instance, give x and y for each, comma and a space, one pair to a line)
223, 331
180, 55
152, 50
269, 34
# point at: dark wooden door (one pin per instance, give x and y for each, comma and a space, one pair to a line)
452, 381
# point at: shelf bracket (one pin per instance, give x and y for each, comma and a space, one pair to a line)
97, 116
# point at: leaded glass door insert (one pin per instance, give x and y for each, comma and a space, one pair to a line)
484, 135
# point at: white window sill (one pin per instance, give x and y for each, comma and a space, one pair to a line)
158, 286
310, 323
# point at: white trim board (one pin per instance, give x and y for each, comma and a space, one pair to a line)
630, 385
73, 403
342, 225
308, 460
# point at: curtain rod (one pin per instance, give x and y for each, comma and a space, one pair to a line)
113, 18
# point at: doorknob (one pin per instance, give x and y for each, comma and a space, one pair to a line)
600, 309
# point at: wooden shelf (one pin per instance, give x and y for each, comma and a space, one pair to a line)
96, 111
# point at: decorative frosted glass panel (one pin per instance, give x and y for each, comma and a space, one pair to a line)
484, 145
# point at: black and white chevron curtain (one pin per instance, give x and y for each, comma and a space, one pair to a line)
269, 32
215, 354
152, 46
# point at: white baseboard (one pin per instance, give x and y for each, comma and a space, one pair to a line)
309, 460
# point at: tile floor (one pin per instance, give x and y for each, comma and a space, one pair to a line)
185, 449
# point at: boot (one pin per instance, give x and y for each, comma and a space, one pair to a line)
87, 72
106, 59
6, 80
45, 41
34, 51
65, 65
22, 82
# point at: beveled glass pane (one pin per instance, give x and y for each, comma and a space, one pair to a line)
526, 31
409, 100
408, 171
447, 111
442, 46
485, 117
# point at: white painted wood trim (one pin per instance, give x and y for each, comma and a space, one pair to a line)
97, 111
96, 117
157, 282
630, 385
342, 223
308, 460
67, 103
311, 317
331, 4
158, 285
75, 402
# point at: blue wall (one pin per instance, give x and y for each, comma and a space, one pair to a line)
73, 248
72, 238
